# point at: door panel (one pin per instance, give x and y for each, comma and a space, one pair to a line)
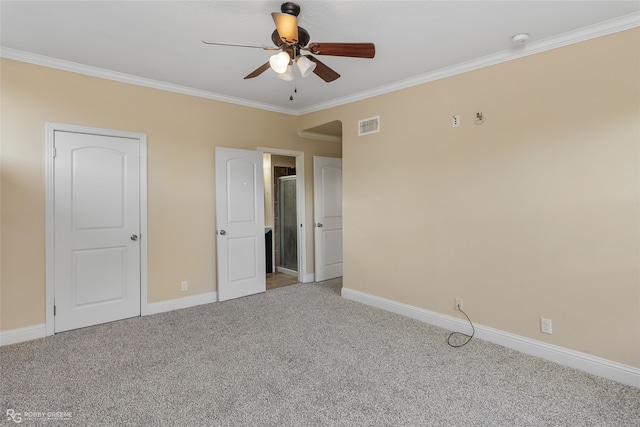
99, 275
240, 223
332, 245
242, 258
103, 169
241, 185
97, 210
327, 184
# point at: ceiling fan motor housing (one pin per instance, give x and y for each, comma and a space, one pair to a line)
290, 8
303, 38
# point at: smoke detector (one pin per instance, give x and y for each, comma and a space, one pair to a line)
520, 38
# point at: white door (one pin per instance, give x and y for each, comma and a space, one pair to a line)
96, 229
240, 223
327, 208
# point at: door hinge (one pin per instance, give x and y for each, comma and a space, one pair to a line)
54, 310
55, 152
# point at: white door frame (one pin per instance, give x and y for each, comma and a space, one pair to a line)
301, 209
49, 152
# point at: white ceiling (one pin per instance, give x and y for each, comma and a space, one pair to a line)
158, 43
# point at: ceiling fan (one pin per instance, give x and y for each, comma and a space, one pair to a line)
291, 40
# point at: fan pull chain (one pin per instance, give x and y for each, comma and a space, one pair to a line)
294, 87
291, 90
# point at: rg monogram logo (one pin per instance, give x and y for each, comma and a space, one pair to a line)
14, 416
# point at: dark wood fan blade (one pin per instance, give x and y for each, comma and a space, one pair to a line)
242, 45
261, 69
287, 26
353, 50
323, 71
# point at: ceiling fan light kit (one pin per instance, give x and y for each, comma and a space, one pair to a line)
290, 40
305, 65
279, 62
287, 75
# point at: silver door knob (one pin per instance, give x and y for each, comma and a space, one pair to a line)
222, 232
134, 237
318, 225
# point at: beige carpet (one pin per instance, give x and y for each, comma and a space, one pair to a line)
294, 356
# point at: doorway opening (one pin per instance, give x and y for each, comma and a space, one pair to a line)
284, 217
284, 223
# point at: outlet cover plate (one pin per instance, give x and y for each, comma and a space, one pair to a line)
545, 326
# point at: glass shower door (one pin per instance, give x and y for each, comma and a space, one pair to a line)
288, 223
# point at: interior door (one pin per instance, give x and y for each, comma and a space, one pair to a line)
327, 208
96, 229
240, 223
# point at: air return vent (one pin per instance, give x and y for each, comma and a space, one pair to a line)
370, 125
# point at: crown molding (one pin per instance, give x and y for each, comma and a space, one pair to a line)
604, 28
102, 73
600, 29
320, 136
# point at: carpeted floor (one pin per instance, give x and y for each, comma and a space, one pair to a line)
294, 356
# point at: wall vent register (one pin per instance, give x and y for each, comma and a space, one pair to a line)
369, 126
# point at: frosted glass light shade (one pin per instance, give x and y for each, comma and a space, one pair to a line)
279, 62
305, 65
287, 75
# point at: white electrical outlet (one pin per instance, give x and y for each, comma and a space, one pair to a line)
545, 326
455, 121
183, 285
458, 304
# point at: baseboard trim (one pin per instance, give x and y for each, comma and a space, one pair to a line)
14, 336
28, 333
178, 303
288, 271
625, 374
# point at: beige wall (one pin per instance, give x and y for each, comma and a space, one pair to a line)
182, 133
535, 213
